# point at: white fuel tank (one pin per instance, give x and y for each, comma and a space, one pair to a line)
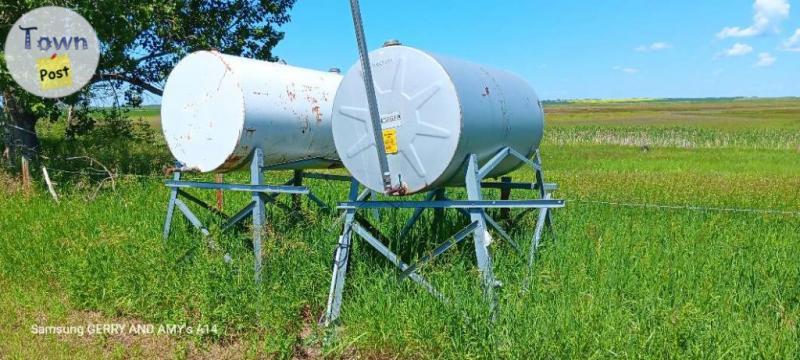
435, 111
217, 108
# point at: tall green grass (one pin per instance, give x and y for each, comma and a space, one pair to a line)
616, 282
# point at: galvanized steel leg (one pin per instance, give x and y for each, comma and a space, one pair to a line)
173, 195
259, 210
297, 180
438, 214
505, 194
340, 259
537, 233
537, 168
535, 241
542, 220
482, 255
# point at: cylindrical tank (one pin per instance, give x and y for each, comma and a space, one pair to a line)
435, 111
217, 108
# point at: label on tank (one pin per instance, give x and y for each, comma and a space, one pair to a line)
391, 120
390, 140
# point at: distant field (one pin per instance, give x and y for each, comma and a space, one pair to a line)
621, 280
744, 123
150, 113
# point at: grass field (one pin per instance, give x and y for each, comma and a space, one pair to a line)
619, 281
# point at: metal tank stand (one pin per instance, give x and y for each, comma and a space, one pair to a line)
262, 194
475, 208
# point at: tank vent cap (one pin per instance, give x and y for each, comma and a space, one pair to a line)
391, 42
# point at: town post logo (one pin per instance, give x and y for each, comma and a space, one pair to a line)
52, 52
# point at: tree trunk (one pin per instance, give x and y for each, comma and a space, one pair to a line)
21, 127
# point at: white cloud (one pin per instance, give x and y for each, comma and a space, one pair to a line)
627, 70
792, 43
656, 46
767, 17
765, 60
737, 49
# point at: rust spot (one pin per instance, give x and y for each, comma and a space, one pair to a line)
317, 112
485, 91
230, 162
291, 95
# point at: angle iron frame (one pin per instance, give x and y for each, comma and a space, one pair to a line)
474, 208
261, 195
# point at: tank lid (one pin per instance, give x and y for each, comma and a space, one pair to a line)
392, 42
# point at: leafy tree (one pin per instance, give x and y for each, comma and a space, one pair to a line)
141, 41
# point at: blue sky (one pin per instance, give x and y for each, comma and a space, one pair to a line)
577, 49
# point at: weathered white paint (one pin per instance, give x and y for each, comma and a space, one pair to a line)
217, 108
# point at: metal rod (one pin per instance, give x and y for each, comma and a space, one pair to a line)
454, 204
482, 256
543, 190
322, 176
505, 194
319, 202
219, 178
173, 195
515, 186
238, 187
502, 233
297, 180
524, 159
493, 162
191, 216
259, 211
372, 101
202, 204
340, 258
239, 216
413, 220
395, 259
446, 245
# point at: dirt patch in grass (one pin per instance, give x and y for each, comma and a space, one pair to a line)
306, 347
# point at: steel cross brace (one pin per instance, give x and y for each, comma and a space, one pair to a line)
474, 208
256, 208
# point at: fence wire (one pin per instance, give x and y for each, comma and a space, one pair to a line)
644, 205
688, 207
